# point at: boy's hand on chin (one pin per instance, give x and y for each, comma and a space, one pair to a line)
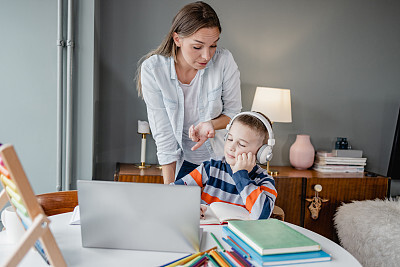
245, 161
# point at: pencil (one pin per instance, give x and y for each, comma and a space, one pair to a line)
245, 252
199, 261
227, 259
218, 259
236, 259
212, 261
243, 259
222, 258
174, 261
230, 243
187, 258
189, 263
216, 241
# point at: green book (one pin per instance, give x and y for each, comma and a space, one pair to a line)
272, 236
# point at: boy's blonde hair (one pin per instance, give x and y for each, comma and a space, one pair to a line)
255, 124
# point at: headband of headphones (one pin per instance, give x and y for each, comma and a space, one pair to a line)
271, 140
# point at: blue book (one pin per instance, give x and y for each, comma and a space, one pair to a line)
278, 259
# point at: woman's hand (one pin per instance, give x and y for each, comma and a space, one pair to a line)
245, 161
200, 133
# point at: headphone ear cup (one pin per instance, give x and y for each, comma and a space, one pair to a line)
264, 154
225, 136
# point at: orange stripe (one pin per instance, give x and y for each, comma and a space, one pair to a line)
197, 177
269, 190
252, 198
210, 199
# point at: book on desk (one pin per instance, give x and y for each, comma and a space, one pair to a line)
221, 212
271, 242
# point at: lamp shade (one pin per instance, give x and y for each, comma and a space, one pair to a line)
274, 103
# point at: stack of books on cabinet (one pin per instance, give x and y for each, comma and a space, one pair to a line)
271, 242
343, 160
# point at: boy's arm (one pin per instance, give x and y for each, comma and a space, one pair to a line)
259, 195
197, 177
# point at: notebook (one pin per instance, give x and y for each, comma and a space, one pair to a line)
139, 216
278, 259
272, 236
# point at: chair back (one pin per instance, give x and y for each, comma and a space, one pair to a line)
58, 202
278, 213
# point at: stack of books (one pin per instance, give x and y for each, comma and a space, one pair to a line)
345, 160
271, 242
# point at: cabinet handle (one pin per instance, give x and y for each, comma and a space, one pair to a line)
316, 202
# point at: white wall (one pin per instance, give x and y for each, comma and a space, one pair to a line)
28, 91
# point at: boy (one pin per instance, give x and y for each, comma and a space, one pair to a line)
236, 178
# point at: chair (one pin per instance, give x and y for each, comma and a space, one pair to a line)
58, 202
278, 213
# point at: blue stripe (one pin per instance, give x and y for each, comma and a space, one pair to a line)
224, 186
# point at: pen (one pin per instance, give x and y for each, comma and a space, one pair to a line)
216, 241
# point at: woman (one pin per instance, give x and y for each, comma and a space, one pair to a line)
191, 89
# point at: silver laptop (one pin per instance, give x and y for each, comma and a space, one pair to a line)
139, 216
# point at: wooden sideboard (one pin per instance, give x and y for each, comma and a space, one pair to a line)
293, 187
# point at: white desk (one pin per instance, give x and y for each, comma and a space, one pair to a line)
68, 238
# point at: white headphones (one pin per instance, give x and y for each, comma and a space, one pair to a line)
264, 153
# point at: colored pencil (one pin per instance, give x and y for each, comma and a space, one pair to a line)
189, 263
227, 258
241, 264
212, 260
222, 258
245, 252
188, 258
175, 260
232, 245
216, 241
199, 261
235, 252
218, 258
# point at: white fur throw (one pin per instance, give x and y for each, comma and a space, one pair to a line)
370, 231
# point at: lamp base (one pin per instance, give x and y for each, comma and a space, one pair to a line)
142, 165
271, 172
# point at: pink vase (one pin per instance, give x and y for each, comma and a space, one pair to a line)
302, 152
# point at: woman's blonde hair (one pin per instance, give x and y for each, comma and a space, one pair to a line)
187, 21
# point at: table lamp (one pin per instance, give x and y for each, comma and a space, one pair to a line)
274, 103
143, 129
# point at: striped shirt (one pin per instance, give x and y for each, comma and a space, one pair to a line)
253, 190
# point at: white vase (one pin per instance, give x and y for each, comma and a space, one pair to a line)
302, 152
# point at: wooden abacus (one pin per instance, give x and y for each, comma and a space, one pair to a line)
18, 191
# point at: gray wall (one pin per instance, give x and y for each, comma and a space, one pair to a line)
339, 58
28, 93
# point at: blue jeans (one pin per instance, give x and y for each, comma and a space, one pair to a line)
186, 168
